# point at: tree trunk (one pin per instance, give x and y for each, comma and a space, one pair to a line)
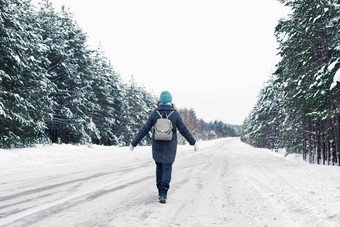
337, 138
310, 147
322, 140
317, 142
329, 149
304, 150
334, 157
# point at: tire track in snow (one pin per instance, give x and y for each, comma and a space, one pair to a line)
265, 189
224, 184
182, 199
300, 207
42, 211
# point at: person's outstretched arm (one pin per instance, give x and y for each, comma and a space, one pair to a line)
185, 132
142, 132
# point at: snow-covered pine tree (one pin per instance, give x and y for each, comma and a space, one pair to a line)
309, 109
25, 104
309, 42
262, 127
107, 100
69, 71
137, 105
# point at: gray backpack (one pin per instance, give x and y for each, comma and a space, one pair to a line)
163, 128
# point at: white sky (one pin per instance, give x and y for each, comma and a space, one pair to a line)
212, 55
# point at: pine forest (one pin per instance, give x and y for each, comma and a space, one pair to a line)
298, 109
55, 89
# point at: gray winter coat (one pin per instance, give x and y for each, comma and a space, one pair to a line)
164, 151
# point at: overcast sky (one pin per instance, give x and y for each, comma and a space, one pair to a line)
212, 55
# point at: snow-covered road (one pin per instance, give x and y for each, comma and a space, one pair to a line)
226, 183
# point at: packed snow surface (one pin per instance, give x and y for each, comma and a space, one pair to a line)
225, 183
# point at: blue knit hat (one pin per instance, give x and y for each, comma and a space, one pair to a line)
165, 97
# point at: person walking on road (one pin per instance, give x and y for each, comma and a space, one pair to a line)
164, 142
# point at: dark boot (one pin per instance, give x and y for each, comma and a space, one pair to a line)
161, 199
164, 190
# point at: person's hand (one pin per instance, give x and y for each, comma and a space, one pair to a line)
131, 147
195, 147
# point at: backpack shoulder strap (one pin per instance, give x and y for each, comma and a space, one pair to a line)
167, 116
159, 114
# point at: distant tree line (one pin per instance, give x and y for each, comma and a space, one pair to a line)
207, 130
55, 89
299, 107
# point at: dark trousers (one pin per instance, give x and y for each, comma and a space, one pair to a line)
163, 177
